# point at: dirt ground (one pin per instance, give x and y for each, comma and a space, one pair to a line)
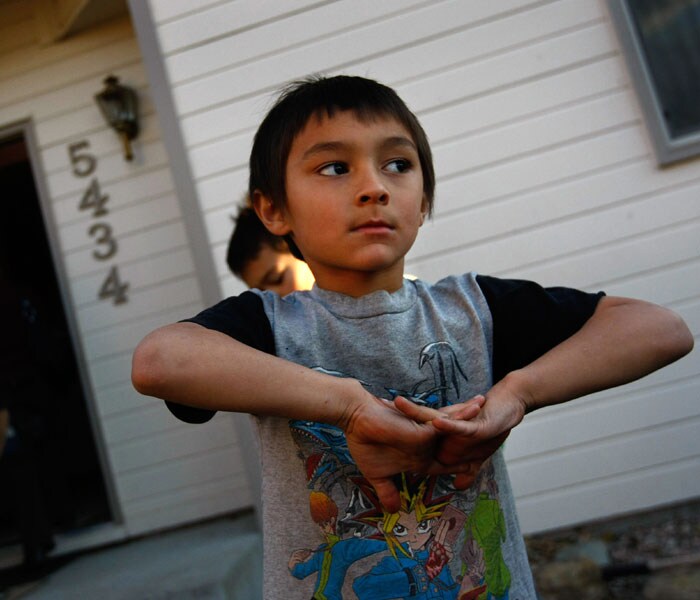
629, 551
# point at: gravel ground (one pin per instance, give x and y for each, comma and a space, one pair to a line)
657, 540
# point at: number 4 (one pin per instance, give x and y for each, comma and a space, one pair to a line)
93, 199
112, 287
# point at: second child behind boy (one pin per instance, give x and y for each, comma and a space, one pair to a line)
381, 402
262, 260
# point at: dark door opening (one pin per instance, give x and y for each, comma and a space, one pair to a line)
41, 385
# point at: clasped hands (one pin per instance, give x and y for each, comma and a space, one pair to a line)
390, 437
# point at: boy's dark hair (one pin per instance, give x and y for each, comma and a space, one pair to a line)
249, 235
318, 95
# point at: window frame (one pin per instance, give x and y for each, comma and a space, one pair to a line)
667, 149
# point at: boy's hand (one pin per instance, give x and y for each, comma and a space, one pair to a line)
385, 442
502, 410
624, 339
468, 440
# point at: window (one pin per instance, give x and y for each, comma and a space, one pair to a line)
661, 41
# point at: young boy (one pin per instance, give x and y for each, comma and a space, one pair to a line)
263, 260
387, 395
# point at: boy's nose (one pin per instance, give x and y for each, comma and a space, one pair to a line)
379, 198
372, 189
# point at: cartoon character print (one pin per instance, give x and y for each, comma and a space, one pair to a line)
419, 546
446, 383
439, 545
325, 453
331, 560
487, 576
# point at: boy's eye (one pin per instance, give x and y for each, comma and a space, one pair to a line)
398, 165
276, 278
400, 530
333, 169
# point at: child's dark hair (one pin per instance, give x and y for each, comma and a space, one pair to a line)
319, 95
249, 235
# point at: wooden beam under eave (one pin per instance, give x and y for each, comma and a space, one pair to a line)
54, 18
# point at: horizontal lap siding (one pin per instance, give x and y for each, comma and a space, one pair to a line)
544, 171
155, 461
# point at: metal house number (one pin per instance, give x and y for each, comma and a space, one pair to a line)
93, 200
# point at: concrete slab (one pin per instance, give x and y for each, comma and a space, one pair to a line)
217, 560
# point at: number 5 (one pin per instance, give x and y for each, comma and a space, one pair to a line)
83, 164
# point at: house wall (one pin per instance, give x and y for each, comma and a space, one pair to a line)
163, 472
545, 171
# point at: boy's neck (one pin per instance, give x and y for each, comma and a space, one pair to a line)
359, 283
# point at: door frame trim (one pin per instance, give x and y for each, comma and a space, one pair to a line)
26, 129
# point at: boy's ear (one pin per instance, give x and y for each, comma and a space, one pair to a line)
424, 208
272, 217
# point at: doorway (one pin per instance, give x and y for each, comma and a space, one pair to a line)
48, 409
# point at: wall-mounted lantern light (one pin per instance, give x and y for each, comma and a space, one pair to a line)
119, 106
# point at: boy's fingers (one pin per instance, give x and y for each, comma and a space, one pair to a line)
470, 469
425, 414
478, 451
460, 411
456, 426
465, 410
420, 414
463, 480
387, 494
470, 407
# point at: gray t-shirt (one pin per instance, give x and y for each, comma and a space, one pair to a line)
325, 534
428, 343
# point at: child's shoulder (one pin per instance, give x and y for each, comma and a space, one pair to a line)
453, 291
462, 284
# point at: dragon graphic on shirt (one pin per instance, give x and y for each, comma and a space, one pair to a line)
325, 453
440, 544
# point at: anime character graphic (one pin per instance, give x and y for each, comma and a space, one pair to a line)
324, 450
487, 577
419, 550
448, 375
334, 556
473, 568
446, 382
440, 545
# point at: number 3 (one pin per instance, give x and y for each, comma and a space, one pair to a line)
104, 237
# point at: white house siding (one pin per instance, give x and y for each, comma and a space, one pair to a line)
545, 171
163, 472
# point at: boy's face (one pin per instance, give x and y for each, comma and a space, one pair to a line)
277, 271
354, 201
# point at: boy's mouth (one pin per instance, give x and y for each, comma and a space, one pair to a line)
374, 226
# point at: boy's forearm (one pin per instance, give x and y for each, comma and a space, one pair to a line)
624, 340
192, 365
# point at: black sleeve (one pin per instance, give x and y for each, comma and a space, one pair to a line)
529, 320
241, 317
